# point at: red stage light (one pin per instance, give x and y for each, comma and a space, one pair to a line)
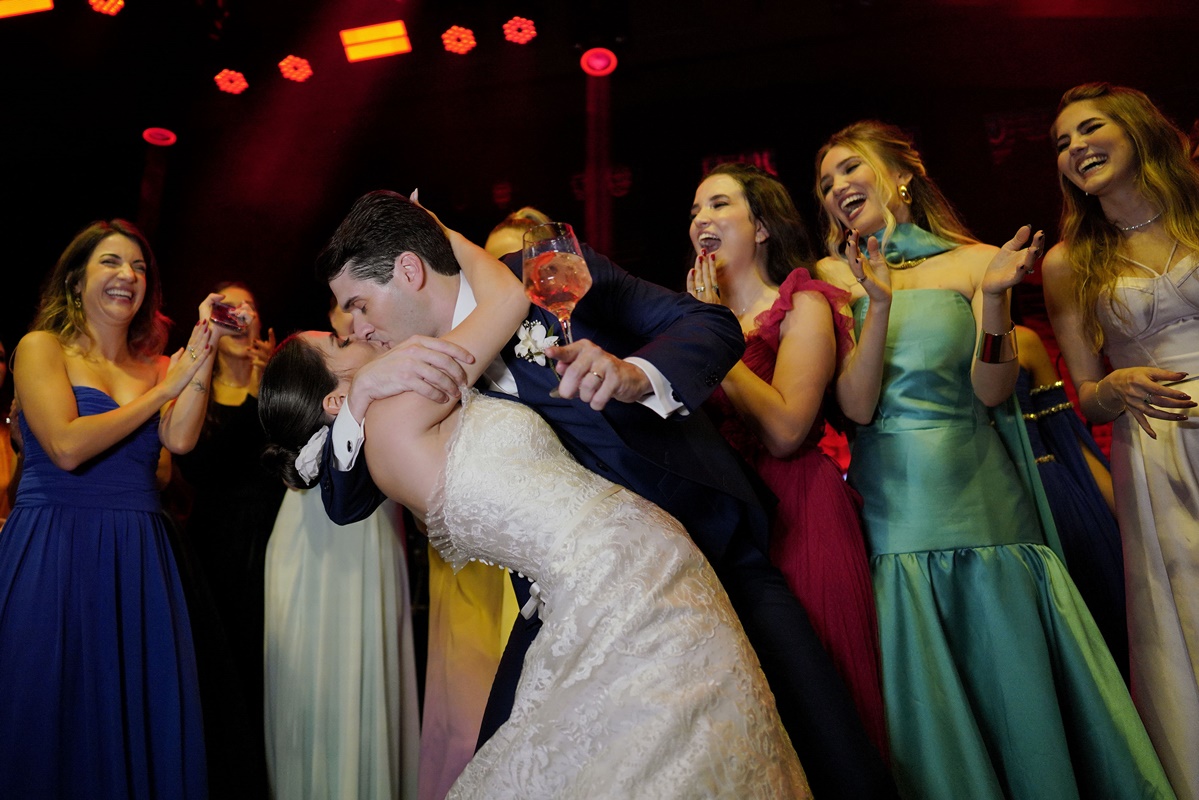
459, 40
519, 30
230, 81
295, 68
376, 41
109, 7
598, 62
160, 137
11, 8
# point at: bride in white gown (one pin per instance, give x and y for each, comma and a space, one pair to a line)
641, 683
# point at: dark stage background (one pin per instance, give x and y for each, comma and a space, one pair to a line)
258, 181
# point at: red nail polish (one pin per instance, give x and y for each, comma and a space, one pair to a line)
703, 252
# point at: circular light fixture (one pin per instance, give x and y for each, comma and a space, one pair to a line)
160, 137
598, 62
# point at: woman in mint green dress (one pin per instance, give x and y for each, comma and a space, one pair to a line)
996, 681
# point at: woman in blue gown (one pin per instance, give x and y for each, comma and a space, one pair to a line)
996, 681
96, 659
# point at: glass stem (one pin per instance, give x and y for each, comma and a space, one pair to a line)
566, 336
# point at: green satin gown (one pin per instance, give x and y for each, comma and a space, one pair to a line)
996, 681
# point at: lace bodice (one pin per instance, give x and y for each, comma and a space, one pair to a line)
503, 454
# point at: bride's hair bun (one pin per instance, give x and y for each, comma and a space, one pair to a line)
290, 395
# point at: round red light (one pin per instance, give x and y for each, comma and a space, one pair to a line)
160, 137
598, 62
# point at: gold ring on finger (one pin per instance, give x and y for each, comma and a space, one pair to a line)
596, 374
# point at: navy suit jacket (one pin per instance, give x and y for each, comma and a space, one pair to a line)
681, 463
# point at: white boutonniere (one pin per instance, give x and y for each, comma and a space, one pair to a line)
533, 341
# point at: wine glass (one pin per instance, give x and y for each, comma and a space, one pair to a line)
555, 274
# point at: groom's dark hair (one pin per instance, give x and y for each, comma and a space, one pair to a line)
380, 226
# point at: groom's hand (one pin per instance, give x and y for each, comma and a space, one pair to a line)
596, 376
426, 365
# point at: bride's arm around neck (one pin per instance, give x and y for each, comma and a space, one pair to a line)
405, 449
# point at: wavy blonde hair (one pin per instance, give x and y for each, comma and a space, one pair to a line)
886, 148
1165, 176
58, 313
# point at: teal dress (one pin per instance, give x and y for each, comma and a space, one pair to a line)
996, 681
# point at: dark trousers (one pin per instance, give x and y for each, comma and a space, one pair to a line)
813, 701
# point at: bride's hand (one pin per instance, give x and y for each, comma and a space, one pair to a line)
415, 200
872, 272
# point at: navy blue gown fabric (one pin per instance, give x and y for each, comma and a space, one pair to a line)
96, 659
1087, 528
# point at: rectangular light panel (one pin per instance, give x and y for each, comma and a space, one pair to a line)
11, 8
376, 41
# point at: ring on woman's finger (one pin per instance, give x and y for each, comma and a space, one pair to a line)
701, 288
596, 374
192, 353
862, 279
1147, 400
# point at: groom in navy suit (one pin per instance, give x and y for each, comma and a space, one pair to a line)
644, 360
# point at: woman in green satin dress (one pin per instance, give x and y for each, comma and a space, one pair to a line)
996, 681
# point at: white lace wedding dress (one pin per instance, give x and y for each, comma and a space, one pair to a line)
641, 683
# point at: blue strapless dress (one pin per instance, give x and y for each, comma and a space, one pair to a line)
97, 671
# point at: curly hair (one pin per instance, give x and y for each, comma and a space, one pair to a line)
885, 147
57, 310
1166, 177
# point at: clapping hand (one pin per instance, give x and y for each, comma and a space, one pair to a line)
188, 360
872, 273
1013, 262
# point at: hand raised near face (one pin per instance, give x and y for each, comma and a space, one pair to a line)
1013, 262
702, 283
871, 272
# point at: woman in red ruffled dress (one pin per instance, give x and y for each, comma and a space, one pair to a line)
751, 246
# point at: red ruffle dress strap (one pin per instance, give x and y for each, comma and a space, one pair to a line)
800, 280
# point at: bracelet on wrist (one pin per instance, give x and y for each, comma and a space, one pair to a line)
1099, 400
997, 348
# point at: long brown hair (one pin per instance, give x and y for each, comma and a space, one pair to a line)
1166, 177
770, 203
58, 313
886, 148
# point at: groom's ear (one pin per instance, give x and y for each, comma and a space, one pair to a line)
409, 270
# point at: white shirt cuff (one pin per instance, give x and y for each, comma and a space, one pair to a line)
661, 400
348, 436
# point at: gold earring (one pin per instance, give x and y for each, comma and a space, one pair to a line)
904, 194
77, 301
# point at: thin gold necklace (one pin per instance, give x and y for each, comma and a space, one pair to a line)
230, 385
